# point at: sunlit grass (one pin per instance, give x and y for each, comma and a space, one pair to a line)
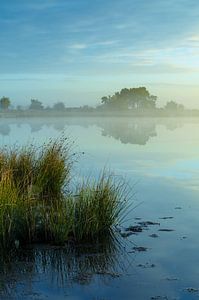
98, 206
36, 204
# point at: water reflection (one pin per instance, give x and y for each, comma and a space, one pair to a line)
60, 267
4, 129
35, 127
132, 132
167, 172
126, 130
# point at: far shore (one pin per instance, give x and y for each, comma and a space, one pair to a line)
95, 113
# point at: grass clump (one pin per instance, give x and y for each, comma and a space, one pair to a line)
36, 204
53, 169
98, 206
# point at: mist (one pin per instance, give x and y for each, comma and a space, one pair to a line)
99, 139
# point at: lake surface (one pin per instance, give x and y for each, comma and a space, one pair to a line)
159, 158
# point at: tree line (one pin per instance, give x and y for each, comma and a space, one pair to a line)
136, 99
132, 99
5, 104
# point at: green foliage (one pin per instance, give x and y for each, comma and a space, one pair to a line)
173, 106
98, 206
53, 169
61, 220
59, 106
36, 105
30, 179
5, 103
22, 164
133, 98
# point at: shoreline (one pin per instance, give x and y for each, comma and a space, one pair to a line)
51, 114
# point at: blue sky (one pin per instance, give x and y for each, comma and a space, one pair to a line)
76, 51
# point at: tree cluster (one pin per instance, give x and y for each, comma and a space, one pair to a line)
133, 98
4, 103
173, 106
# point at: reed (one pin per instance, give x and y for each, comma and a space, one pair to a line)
98, 206
53, 169
36, 204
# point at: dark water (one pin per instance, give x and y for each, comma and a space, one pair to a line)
159, 159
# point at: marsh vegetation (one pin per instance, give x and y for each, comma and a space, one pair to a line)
37, 203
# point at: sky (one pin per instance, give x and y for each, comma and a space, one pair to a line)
77, 51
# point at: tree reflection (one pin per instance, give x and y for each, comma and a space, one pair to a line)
4, 129
137, 131
130, 132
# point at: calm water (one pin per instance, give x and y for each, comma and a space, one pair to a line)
160, 160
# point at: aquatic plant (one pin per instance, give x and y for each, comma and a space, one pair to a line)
98, 206
53, 168
36, 204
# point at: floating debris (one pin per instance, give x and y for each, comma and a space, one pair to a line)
154, 235
147, 265
159, 298
136, 228
140, 249
171, 278
166, 230
126, 234
192, 290
166, 218
148, 223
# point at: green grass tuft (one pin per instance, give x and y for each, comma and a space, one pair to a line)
36, 204
98, 206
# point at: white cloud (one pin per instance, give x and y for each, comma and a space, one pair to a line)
105, 43
194, 38
78, 46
